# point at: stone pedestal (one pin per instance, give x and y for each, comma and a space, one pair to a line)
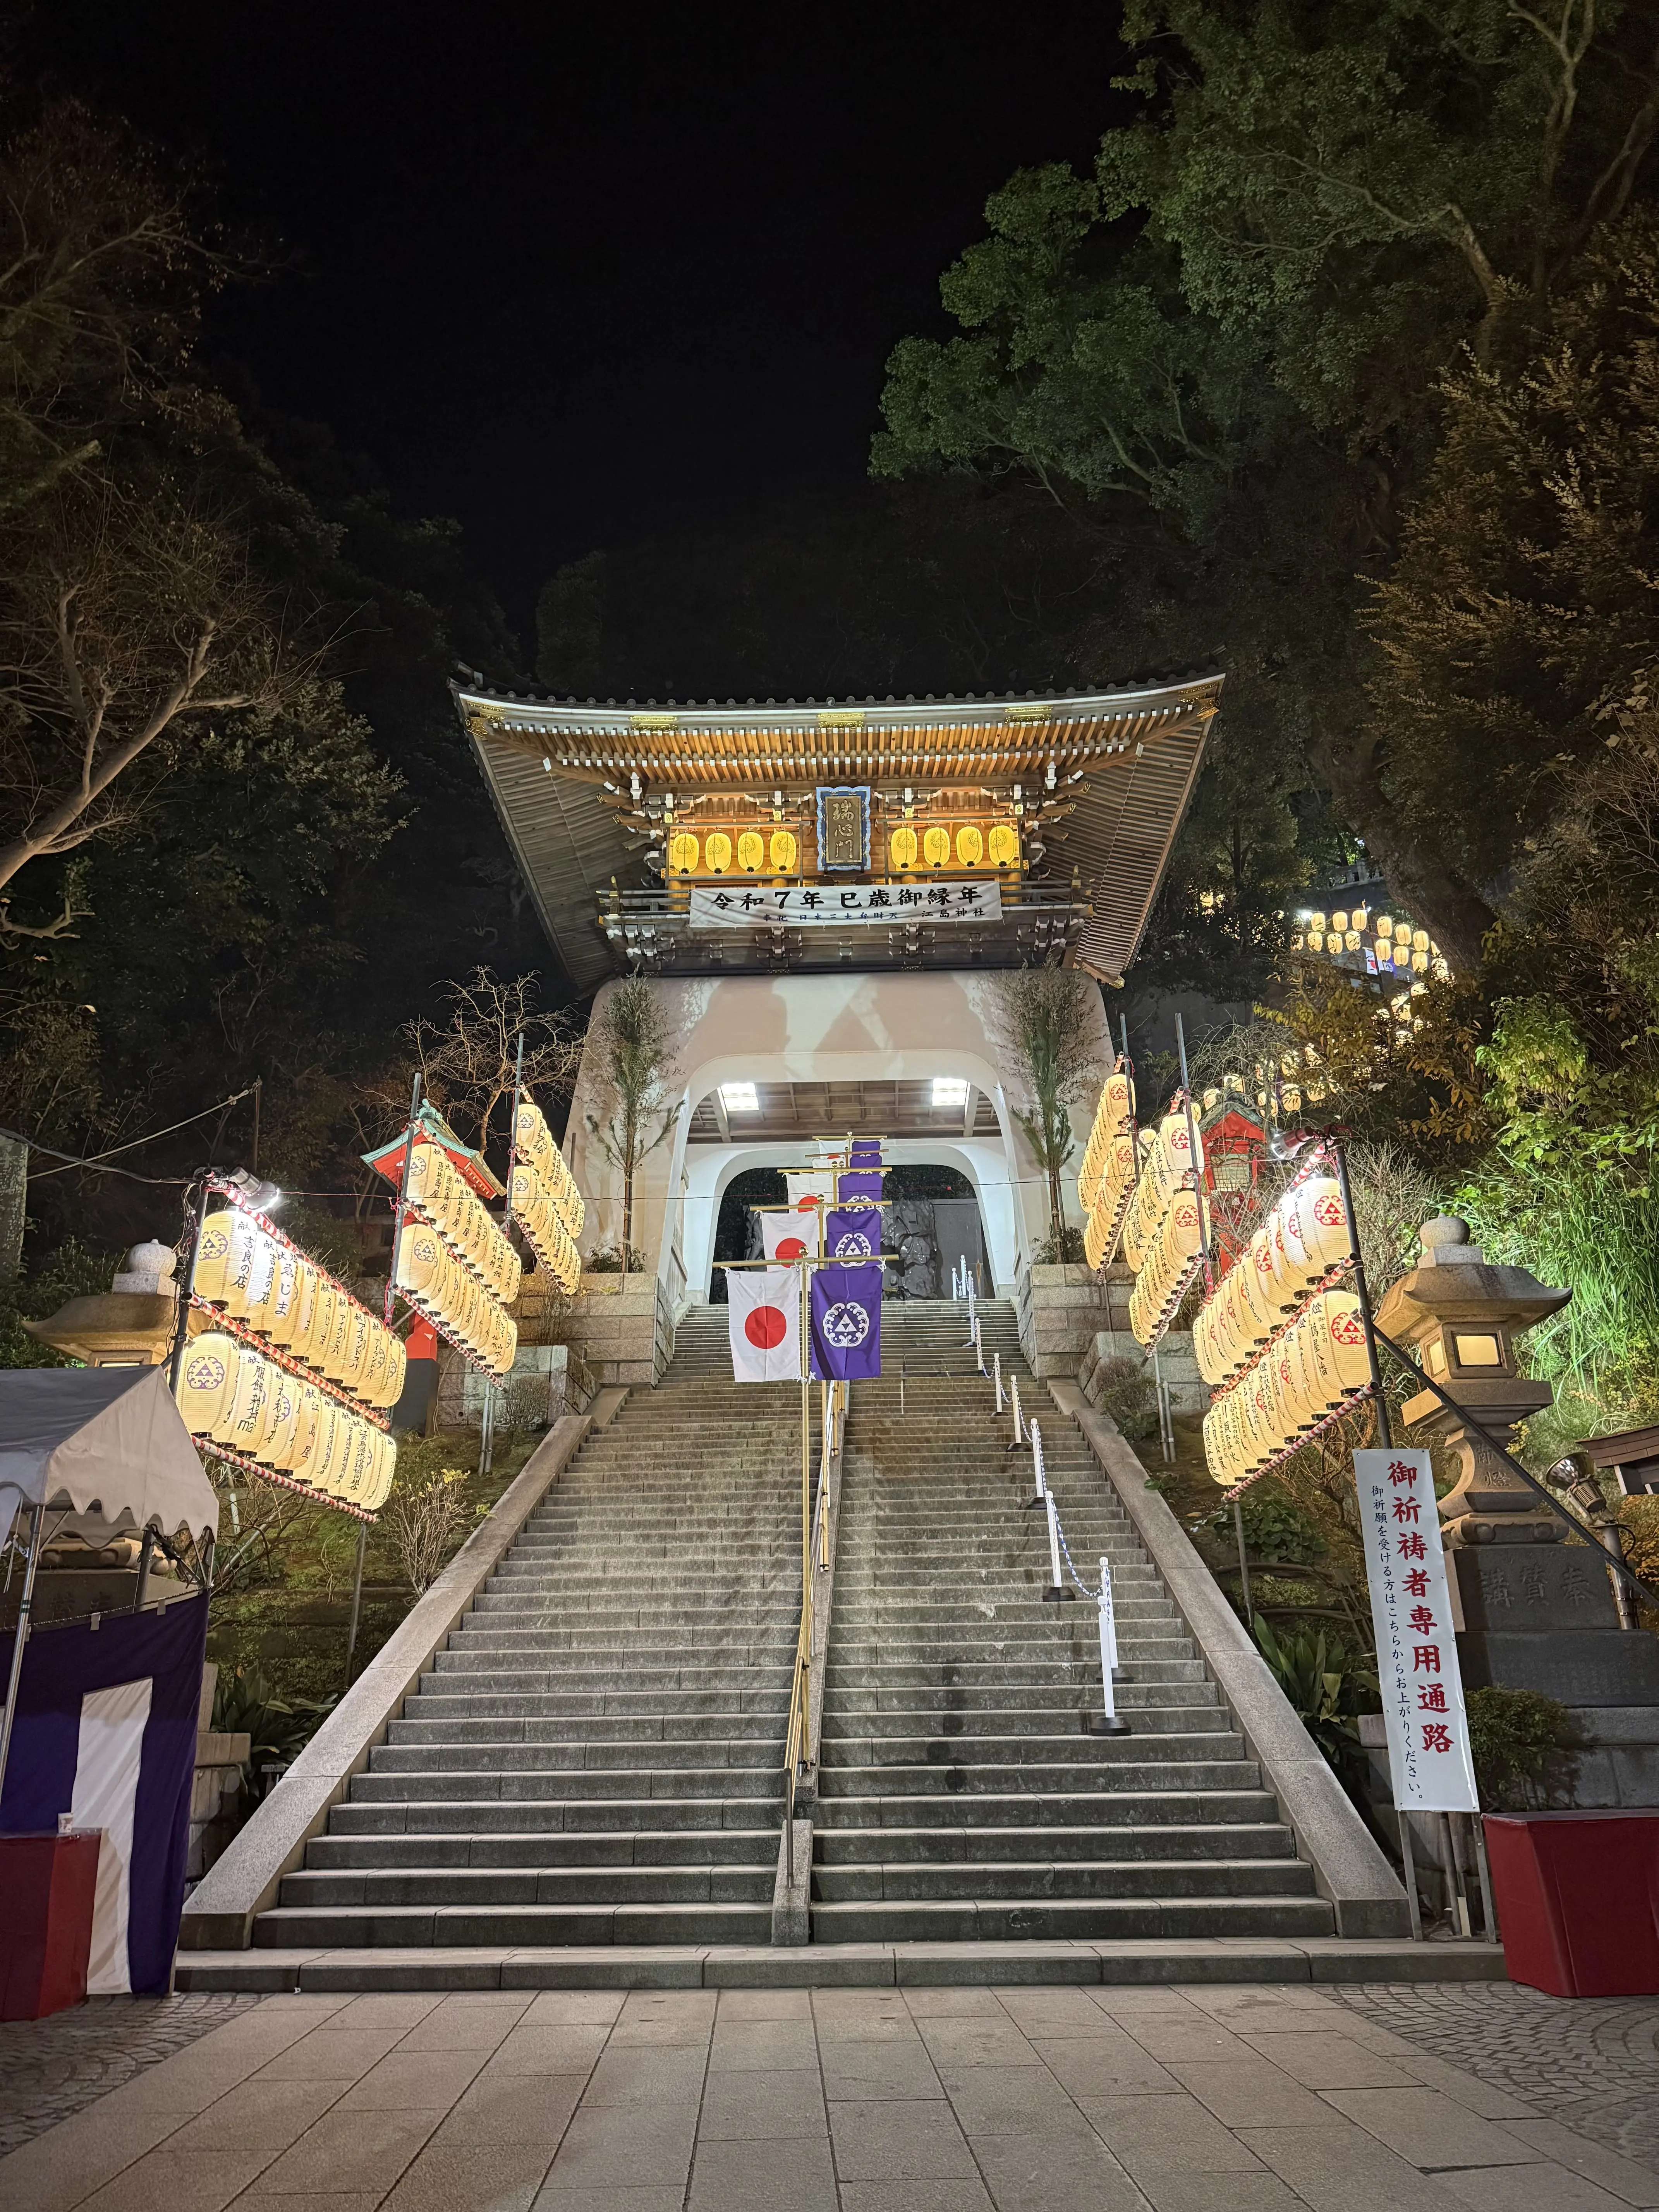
1059, 1311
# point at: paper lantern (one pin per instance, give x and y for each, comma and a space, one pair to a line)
207, 1381
396, 1369
717, 853
1005, 845
936, 847
249, 1244
308, 1281
285, 1296
259, 1303
420, 1257
682, 852
902, 848
751, 852
971, 846
303, 1452
284, 1431
244, 1422
1316, 1226
213, 1256
784, 852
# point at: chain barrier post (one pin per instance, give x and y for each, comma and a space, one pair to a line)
1039, 1472
996, 1376
1019, 1427
1110, 1721
1057, 1593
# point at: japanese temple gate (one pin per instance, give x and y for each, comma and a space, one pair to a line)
823, 895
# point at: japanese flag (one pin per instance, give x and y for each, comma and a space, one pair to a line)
808, 1190
764, 1320
786, 1235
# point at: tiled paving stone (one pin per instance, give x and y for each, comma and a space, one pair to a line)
1220, 2098
51, 2068
1589, 2063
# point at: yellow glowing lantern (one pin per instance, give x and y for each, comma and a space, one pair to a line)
1385, 925
1351, 939
751, 852
1316, 940
682, 852
207, 1381
936, 847
971, 846
717, 852
902, 848
1005, 845
1419, 941
1359, 918
1340, 921
784, 850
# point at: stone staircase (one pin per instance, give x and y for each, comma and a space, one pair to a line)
959, 1797
597, 1757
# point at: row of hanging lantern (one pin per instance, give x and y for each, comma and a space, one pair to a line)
433, 1280
546, 1203
234, 1395
441, 1193
268, 1286
1315, 1365
751, 851
1395, 947
934, 846
1301, 1241
1107, 1174
1162, 1229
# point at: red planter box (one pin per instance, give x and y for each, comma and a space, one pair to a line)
1578, 1898
45, 1930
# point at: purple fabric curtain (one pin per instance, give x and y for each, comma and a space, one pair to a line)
865, 1183
846, 1322
853, 1233
60, 1666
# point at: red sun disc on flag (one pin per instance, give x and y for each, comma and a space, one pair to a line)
805, 1205
765, 1327
789, 1248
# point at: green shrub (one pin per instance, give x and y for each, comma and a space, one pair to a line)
1126, 1391
1328, 1684
244, 1702
1067, 1249
1520, 1740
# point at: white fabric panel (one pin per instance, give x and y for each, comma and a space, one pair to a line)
106, 1763
764, 1323
786, 1235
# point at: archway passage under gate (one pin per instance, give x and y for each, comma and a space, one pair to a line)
931, 1228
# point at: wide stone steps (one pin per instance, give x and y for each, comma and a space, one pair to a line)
960, 1795
597, 1756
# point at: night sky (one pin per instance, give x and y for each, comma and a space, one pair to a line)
579, 275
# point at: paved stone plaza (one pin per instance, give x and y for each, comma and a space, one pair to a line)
1430, 2097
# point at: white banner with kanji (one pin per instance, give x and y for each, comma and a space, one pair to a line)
1416, 1650
830, 907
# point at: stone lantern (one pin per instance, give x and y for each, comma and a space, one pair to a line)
1459, 1315
129, 1325
1527, 1618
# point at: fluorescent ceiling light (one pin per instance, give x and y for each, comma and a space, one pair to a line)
950, 1090
739, 1098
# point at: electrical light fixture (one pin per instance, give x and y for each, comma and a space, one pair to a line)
739, 1098
950, 1090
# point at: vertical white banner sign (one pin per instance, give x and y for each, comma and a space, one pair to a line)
1416, 1650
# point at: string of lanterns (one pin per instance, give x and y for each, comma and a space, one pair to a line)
546, 1203
455, 1264
1284, 1349
295, 1377
1163, 1235
1396, 947
1107, 1174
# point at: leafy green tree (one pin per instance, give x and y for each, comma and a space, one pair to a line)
1235, 328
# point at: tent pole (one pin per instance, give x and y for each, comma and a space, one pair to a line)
14, 1680
146, 1553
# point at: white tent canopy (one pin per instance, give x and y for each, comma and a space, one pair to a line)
103, 1442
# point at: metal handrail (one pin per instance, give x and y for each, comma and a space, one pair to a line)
799, 1752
